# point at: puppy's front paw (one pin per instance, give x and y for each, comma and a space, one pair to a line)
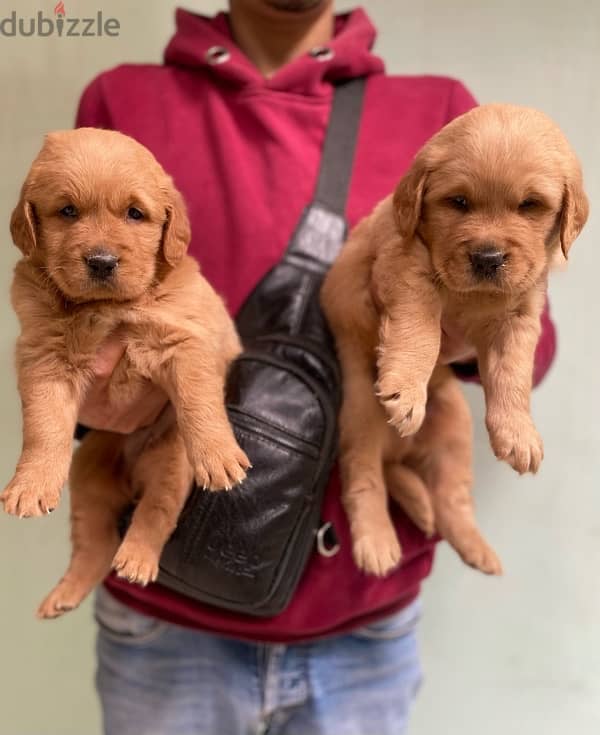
220, 464
404, 404
25, 496
515, 440
377, 553
136, 563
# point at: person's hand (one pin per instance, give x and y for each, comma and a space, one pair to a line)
453, 347
97, 412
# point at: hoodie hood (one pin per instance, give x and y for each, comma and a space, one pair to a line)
206, 44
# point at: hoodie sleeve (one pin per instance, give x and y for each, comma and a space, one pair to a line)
460, 101
93, 111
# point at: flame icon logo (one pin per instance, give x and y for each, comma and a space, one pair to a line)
60, 12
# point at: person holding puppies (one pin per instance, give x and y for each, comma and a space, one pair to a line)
237, 115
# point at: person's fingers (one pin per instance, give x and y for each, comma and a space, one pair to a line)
454, 348
456, 353
143, 413
97, 412
108, 357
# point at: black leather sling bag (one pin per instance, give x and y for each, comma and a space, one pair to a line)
245, 550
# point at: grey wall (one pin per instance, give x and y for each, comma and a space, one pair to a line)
519, 654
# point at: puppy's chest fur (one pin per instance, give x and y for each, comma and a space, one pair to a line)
57, 333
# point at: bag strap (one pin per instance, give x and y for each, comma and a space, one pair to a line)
338, 149
323, 227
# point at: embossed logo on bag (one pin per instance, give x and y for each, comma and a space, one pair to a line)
234, 560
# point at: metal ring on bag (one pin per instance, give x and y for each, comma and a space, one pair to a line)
322, 545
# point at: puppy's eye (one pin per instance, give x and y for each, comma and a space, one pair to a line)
135, 213
69, 211
459, 202
528, 204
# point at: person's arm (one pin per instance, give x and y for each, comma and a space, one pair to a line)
460, 100
92, 111
97, 412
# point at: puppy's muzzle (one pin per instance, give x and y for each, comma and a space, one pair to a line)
101, 265
487, 262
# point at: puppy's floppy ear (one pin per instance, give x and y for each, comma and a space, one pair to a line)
408, 198
22, 226
176, 230
575, 210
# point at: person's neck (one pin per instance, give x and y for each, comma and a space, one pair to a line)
271, 39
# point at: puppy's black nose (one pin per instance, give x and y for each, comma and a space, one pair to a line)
486, 262
101, 265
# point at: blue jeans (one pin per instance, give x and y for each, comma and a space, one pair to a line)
155, 678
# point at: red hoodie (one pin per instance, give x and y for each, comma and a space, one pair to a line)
245, 151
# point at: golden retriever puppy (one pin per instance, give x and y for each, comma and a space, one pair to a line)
466, 240
104, 233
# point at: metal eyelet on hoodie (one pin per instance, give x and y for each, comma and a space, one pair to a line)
217, 55
321, 53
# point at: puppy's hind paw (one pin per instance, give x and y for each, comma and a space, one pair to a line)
136, 563
64, 597
412, 495
377, 555
481, 556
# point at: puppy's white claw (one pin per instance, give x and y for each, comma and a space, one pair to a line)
221, 468
135, 563
405, 409
20, 500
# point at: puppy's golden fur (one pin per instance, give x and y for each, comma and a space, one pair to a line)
104, 233
467, 239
